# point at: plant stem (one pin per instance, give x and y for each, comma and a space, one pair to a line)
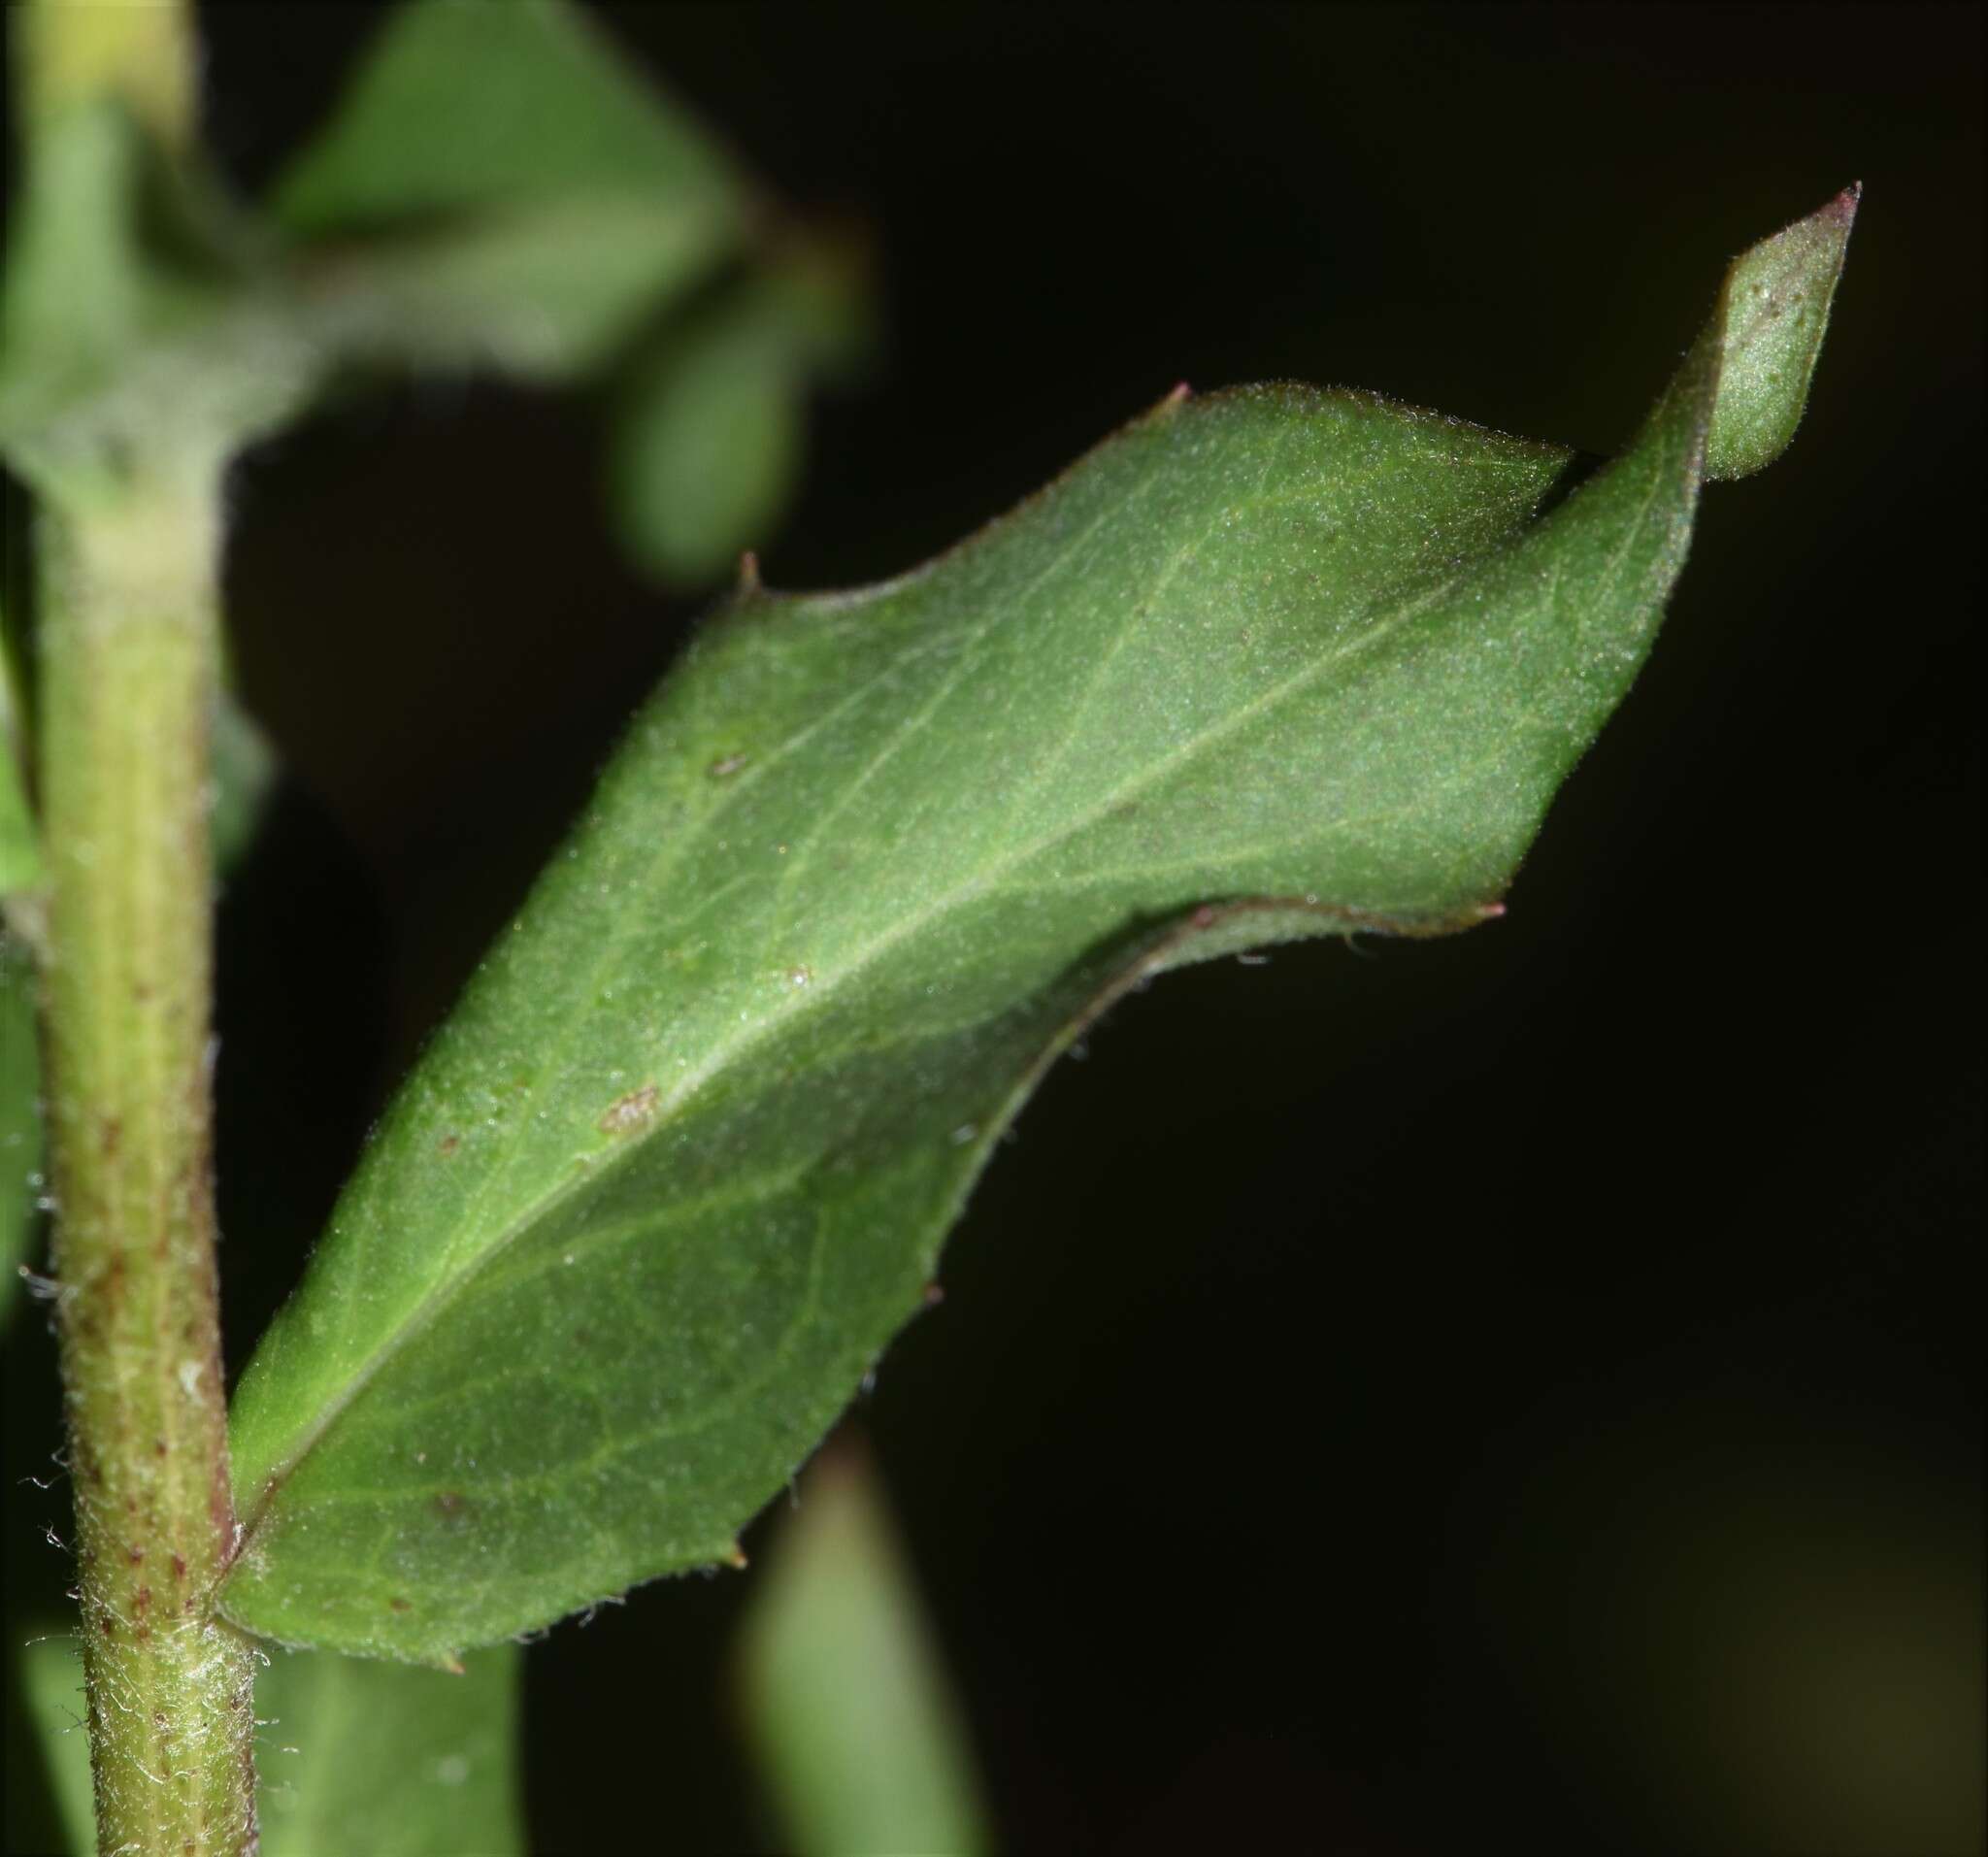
143, 51
129, 557
129, 643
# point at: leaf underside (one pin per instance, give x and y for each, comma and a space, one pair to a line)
1268, 665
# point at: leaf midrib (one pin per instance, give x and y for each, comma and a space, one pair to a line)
825, 989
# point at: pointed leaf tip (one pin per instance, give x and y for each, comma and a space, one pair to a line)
1276, 664
1774, 308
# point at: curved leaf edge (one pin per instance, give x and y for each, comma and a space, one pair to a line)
1218, 927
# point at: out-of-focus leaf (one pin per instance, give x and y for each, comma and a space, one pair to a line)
499, 190
708, 431
351, 1756
20, 1120
21, 856
357, 1756
463, 107
499, 186
707, 448
20, 859
52, 1684
245, 773
845, 1701
1270, 665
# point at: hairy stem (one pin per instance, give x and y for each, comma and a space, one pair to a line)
130, 539
128, 647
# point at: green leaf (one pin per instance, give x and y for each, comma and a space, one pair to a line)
245, 776
361, 1756
498, 191
20, 854
707, 448
1269, 665
350, 1755
708, 430
52, 1687
462, 106
20, 1120
1777, 300
845, 1701
499, 187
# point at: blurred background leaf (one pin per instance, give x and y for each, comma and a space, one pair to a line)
709, 427
843, 1695
499, 186
20, 1122
385, 1759
20, 857
51, 1699
352, 1757
465, 108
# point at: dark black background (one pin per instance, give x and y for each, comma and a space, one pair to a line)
1514, 1394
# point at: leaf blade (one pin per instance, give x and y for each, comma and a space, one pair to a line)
497, 188
20, 1121
1266, 665
358, 1755
844, 1696
537, 104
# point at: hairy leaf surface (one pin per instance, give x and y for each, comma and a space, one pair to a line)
1273, 664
